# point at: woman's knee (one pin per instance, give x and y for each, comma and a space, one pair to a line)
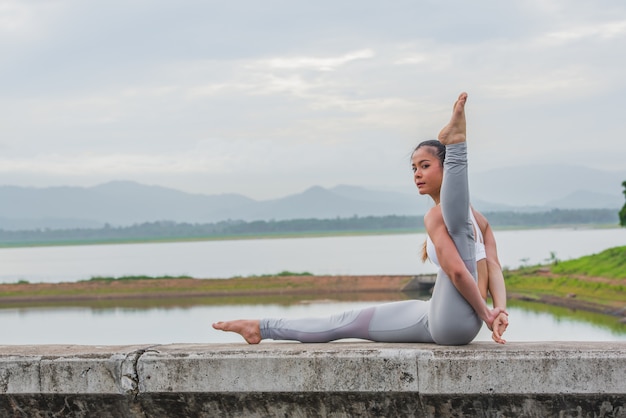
456, 335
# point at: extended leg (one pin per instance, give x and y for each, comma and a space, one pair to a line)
404, 321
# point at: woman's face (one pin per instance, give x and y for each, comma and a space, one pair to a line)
427, 171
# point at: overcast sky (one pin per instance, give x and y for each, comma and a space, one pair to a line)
268, 98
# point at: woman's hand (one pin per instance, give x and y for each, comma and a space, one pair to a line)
492, 315
498, 326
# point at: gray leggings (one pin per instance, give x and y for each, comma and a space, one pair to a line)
447, 318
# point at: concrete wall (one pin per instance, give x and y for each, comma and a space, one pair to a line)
340, 379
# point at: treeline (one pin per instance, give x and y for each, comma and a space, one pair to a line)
554, 217
166, 230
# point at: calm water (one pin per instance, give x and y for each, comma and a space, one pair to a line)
387, 254
192, 325
383, 254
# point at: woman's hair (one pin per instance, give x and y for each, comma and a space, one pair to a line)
437, 149
424, 255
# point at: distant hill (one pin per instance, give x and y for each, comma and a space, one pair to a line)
122, 203
117, 203
584, 199
551, 186
340, 201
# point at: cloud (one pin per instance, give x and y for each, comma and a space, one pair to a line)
217, 160
601, 31
23, 20
529, 86
316, 63
598, 31
305, 92
14, 16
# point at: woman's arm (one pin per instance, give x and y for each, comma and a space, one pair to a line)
495, 281
483, 277
452, 264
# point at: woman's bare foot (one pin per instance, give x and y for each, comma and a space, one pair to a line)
455, 132
249, 329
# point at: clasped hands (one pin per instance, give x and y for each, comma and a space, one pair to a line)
499, 325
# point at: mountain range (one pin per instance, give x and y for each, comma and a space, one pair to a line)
121, 203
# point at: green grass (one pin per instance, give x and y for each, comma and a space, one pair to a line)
610, 263
569, 278
564, 286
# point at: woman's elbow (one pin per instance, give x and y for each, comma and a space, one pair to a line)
456, 275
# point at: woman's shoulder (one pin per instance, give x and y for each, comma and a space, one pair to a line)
433, 215
434, 211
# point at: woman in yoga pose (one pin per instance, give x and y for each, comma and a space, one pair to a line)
457, 236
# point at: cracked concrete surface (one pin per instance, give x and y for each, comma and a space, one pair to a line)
292, 379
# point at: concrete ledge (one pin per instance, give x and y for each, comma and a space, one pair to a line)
338, 379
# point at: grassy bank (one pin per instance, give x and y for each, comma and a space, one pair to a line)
594, 283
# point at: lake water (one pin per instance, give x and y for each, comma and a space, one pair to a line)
193, 324
351, 255
384, 254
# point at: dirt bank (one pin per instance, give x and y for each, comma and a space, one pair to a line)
189, 287
309, 287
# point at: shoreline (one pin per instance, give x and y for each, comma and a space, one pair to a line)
304, 287
280, 235
164, 288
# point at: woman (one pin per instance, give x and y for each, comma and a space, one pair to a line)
454, 314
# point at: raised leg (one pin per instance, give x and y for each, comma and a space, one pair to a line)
455, 200
452, 320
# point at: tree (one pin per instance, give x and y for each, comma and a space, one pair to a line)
622, 213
